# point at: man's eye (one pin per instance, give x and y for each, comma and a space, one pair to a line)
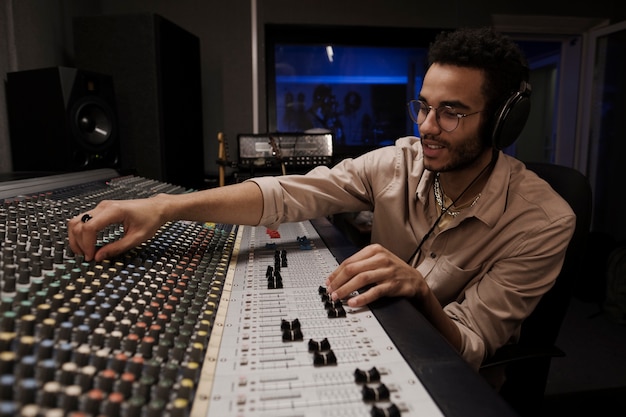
448, 113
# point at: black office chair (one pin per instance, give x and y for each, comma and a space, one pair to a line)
528, 362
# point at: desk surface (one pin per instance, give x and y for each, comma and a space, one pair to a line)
457, 389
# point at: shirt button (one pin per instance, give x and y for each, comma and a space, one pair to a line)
433, 255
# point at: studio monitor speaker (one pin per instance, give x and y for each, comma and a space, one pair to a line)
61, 119
155, 65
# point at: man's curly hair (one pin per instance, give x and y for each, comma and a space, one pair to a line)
498, 56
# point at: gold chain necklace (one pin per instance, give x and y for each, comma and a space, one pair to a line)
439, 197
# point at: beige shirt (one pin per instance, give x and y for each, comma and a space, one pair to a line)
490, 265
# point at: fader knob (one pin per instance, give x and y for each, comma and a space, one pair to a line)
336, 312
324, 358
134, 406
7, 381
91, 400
391, 411
292, 335
379, 393
315, 346
70, 399
290, 325
361, 376
26, 391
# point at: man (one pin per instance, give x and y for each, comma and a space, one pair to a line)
463, 230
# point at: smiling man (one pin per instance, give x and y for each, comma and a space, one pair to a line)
464, 231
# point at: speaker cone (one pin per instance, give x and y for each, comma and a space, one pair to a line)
93, 123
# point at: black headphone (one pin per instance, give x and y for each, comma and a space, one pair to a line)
511, 117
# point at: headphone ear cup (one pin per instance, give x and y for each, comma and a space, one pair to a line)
511, 118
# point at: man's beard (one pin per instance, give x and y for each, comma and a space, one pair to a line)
462, 155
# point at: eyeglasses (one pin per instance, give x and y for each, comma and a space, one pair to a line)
447, 118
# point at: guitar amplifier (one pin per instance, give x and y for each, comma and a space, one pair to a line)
294, 150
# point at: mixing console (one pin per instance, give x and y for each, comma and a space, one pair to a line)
202, 320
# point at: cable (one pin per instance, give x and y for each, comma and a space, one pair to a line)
444, 210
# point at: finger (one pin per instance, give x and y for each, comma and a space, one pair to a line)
343, 272
363, 260
82, 241
364, 298
390, 282
353, 277
107, 251
71, 235
112, 249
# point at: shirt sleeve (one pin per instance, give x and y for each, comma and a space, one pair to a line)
321, 192
352, 185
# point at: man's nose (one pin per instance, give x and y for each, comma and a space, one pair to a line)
430, 124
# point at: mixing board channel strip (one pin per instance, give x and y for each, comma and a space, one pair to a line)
261, 369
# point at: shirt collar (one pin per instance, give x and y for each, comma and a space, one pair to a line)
425, 186
495, 193
493, 200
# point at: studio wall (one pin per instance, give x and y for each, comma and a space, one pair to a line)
40, 33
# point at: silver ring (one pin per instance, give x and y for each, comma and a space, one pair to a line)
86, 218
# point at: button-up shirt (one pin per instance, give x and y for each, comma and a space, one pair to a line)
488, 267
